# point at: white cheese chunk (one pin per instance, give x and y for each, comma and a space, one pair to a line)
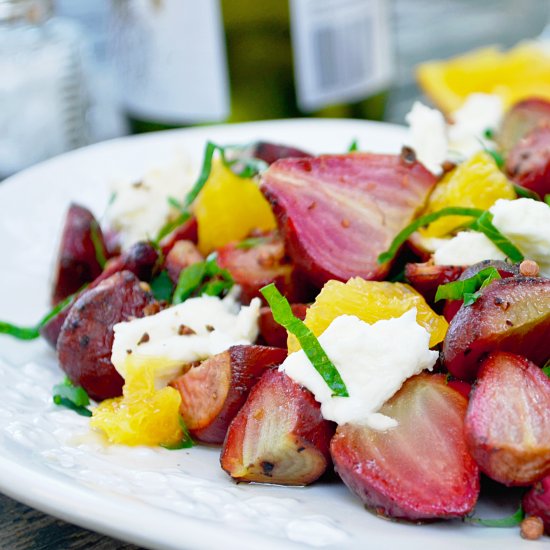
428, 136
480, 112
140, 209
373, 361
467, 248
526, 222
161, 340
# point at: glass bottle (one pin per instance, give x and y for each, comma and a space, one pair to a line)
42, 92
251, 60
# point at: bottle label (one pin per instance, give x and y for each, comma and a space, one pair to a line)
342, 50
171, 60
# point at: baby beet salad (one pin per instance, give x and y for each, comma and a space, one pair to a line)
383, 316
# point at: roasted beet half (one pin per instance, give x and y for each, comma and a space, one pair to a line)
520, 120
507, 425
426, 277
213, 392
141, 259
419, 470
511, 314
271, 332
528, 163
536, 502
253, 267
337, 213
86, 338
279, 436
77, 261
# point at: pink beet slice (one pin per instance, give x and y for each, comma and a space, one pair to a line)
77, 262
337, 213
512, 314
536, 502
420, 469
507, 426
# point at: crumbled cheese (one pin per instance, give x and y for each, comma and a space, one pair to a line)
434, 141
140, 209
428, 136
480, 112
373, 361
467, 248
526, 222
192, 331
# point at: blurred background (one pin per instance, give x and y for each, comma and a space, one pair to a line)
74, 72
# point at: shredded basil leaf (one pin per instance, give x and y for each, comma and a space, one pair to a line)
193, 280
489, 133
511, 521
353, 146
546, 368
162, 287
404, 234
484, 224
525, 193
282, 313
99, 247
186, 441
547, 199
497, 157
31, 333
72, 397
468, 289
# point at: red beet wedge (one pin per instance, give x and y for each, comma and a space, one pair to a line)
213, 392
77, 262
511, 314
426, 277
520, 120
337, 213
271, 332
86, 338
536, 502
507, 425
252, 267
279, 436
420, 469
528, 163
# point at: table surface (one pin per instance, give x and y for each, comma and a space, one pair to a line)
22, 528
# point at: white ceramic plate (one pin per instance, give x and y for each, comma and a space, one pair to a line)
153, 497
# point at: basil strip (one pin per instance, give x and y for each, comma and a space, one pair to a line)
484, 224
186, 441
547, 199
282, 313
162, 287
72, 397
251, 242
97, 241
193, 280
31, 333
353, 146
468, 289
414, 226
511, 521
546, 368
525, 193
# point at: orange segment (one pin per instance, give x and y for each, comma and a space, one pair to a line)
371, 301
476, 183
519, 73
143, 415
229, 208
